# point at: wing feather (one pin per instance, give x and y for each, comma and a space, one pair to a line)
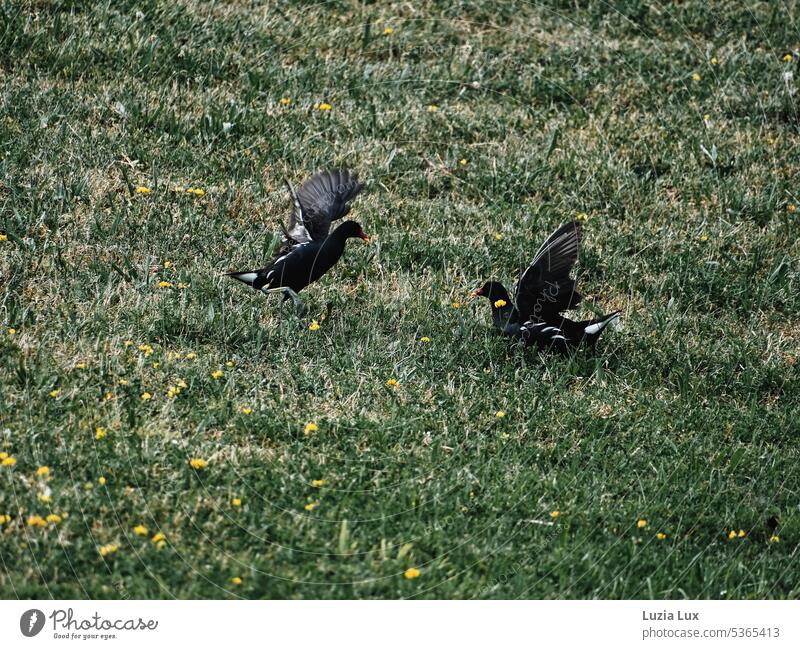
326, 197
545, 288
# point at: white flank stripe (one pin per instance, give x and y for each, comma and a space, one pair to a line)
247, 277
558, 337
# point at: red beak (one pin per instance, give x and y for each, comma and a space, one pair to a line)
478, 291
363, 235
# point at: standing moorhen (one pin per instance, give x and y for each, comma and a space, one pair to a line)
543, 290
308, 251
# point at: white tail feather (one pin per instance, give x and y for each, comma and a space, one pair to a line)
247, 278
599, 326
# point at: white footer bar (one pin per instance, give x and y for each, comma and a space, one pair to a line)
386, 625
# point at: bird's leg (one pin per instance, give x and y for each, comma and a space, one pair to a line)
288, 294
298, 303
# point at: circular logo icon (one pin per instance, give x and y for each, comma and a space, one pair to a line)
31, 622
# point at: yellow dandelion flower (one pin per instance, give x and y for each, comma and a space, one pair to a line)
53, 518
791, 208
182, 285
311, 506
5, 519
741, 534
456, 305
43, 470
433, 108
198, 463
392, 383
641, 523
146, 350
54, 393
197, 191
173, 392
500, 303
581, 216
247, 411
181, 383
11, 331
313, 326
191, 356
425, 339
324, 106
45, 498
9, 461
703, 237
772, 539
498, 236
236, 502
36, 521
310, 427
158, 537
143, 190
164, 284
3, 237
412, 573
107, 549
732, 534
3, 456
228, 363
167, 263
714, 60
101, 480
318, 483
285, 101
140, 530
236, 581
695, 77
387, 31
555, 514
99, 433
661, 536
146, 396
108, 396
217, 374
80, 366
500, 414
787, 57
463, 162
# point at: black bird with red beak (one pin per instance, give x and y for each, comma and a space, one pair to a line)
309, 249
545, 289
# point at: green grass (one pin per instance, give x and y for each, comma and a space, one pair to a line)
687, 415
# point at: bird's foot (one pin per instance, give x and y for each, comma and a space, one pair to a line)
299, 307
288, 294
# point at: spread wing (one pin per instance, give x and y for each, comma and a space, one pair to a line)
320, 200
545, 288
324, 198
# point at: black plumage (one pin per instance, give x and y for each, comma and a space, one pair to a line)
309, 249
545, 289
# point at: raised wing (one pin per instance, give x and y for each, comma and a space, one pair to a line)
324, 198
545, 288
320, 200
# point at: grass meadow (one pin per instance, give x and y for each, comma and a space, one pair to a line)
154, 415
